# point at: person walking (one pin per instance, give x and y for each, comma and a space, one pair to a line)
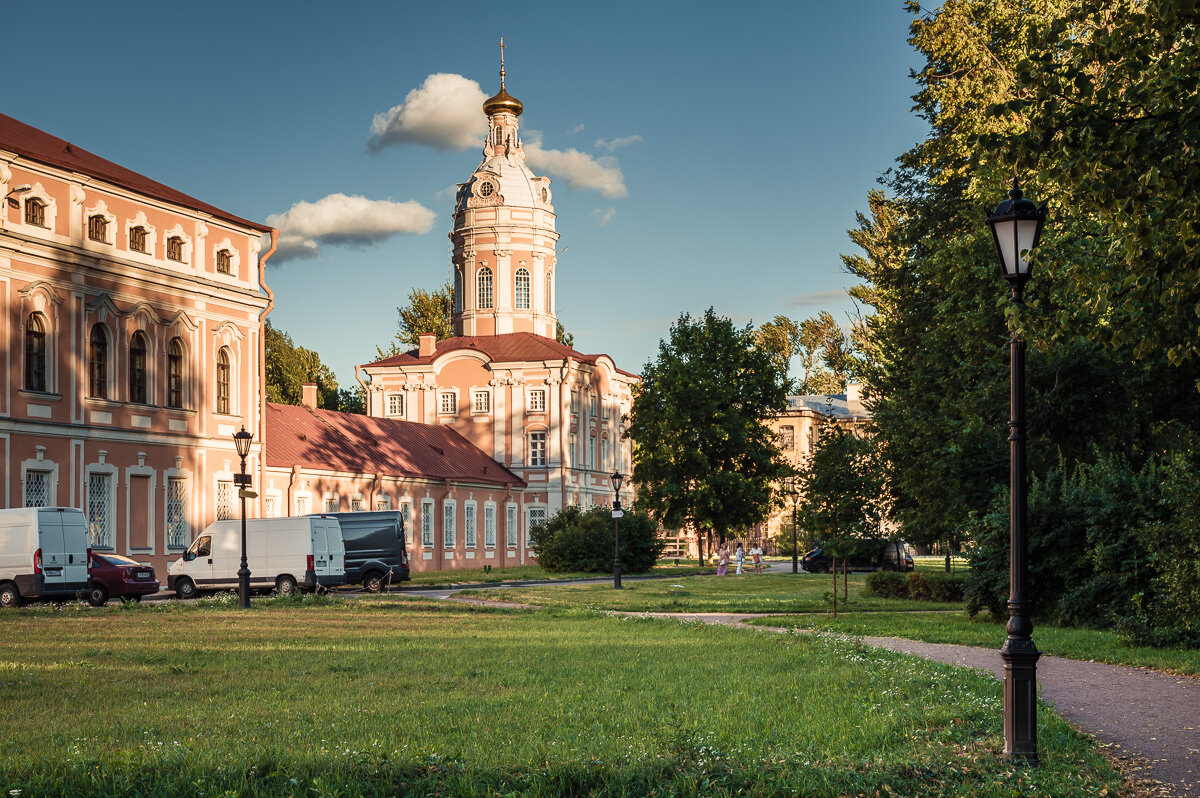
722, 560
756, 555
740, 556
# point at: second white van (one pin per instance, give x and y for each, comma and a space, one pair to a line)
287, 554
43, 554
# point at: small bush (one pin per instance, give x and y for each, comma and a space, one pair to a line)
944, 587
887, 584
918, 587
575, 540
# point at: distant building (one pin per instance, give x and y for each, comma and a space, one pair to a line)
133, 340
545, 412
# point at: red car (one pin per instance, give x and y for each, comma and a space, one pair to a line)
114, 576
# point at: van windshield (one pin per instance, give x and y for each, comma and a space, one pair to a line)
201, 546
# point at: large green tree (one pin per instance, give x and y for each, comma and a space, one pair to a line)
289, 366
705, 458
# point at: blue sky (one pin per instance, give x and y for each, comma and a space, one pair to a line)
702, 153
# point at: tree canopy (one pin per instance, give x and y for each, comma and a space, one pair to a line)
289, 366
827, 355
704, 458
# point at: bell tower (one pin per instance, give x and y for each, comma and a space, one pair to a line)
504, 237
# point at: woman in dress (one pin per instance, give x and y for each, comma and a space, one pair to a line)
722, 560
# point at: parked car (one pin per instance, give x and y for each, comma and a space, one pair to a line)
375, 550
284, 553
43, 554
115, 576
869, 555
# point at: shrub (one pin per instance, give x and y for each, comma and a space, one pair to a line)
887, 584
944, 587
918, 586
574, 540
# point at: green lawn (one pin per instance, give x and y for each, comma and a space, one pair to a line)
1085, 644
394, 695
768, 592
930, 562
522, 573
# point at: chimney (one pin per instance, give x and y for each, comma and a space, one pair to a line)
853, 392
428, 344
308, 396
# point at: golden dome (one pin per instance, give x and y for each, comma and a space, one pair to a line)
501, 102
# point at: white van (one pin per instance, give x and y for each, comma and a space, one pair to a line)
284, 553
43, 554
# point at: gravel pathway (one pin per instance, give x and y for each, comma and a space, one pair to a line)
1149, 714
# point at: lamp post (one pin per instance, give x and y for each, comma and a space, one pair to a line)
617, 478
1016, 226
795, 529
242, 441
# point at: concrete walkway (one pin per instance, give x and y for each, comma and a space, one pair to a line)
1150, 714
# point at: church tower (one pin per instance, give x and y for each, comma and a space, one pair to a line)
504, 237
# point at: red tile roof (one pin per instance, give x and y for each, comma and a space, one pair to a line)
328, 439
506, 348
36, 145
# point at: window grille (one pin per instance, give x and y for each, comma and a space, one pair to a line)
522, 289
303, 505
37, 488
469, 526
787, 438
484, 288
100, 516
537, 448
427, 524
510, 531
489, 526
383, 503
448, 526
406, 514
177, 536
395, 404
270, 506
137, 239
482, 402
331, 504
537, 517
97, 228
537, 401
448, 403
224, 500
356, 504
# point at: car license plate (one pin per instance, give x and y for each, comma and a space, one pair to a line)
54, 571
143, 574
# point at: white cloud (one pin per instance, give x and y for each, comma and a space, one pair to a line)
579, 169
342, 219
603, 215
817, 298
578, 128
444, 112
613, 144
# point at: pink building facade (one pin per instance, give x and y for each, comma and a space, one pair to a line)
133, 346
549, 414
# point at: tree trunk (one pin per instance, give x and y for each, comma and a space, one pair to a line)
845, 586
833, 570
700, 546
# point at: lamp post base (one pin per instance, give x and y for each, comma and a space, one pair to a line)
244, 586
1020, 700
617, 574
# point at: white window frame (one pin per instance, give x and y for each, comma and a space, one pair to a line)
428, 508
573, 451
536, 401
511, 532
235, 259
184, 537
393, 404
530, 512
185, 259
102, 533
574, 401
383, 502
51, 474
50, 208
449, 524
470, 518
538, 455
453, 398
110, 224
303, 503
489, 525
481, 402
224, 482
358, 503
330, 498
406, 512
272, 502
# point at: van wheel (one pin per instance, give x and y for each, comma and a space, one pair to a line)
185, 588
9, 595
97, 596
286, 585
373, 582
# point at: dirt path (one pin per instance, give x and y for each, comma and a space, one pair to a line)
1151, 715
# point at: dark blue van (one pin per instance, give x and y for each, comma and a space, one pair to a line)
375, 552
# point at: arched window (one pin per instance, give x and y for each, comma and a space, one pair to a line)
522, 289
175, 373
98, 363
175, 249
97, 228
137, 369
483, 289
549, 292
137, 239
223, 381
35, 353
224, 262
458, 292
35, 212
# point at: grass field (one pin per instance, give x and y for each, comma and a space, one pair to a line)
768, 592
393, 695
1085, 644
522, 573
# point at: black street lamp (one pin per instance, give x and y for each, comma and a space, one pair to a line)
795, 527
242, 441
617, 478
1016, 226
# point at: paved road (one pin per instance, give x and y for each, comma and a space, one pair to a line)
1148, 713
